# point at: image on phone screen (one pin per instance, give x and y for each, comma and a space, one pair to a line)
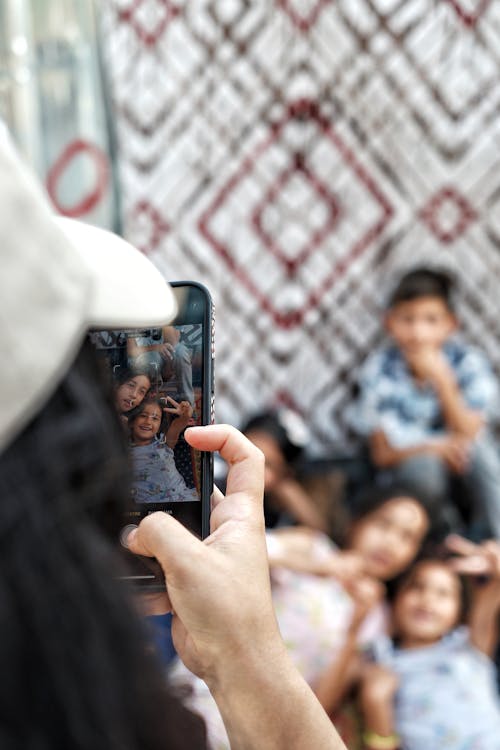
161, 381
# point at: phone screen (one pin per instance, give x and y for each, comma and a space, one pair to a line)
162, 383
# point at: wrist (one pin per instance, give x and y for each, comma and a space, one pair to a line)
247, 665
245, 691
443, 379
375, 698
352, 632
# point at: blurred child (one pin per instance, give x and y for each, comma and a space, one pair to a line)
426, 399
434, 686
161, 350
285, 501
155, 475
329, 601
387, 530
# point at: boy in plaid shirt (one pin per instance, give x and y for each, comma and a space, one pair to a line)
426, 399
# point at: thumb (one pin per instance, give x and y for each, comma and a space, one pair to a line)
162, 536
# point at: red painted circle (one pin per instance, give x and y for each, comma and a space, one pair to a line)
92, 198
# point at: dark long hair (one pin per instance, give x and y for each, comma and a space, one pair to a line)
75, 662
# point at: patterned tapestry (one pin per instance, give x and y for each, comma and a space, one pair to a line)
295, 156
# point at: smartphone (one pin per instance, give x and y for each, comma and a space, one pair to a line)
163, 382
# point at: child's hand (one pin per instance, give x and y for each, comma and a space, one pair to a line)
348, 567
378, 684
366, 593
480, 560
166, 352
182, 410
475, 559
426, 363
454, 450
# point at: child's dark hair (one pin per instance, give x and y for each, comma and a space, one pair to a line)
122, 374
372, 498
272, 423
439, 557
424, 282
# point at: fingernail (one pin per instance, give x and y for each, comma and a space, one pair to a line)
127, 534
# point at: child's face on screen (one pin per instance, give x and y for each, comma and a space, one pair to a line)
389, 537
146, 425
425, 322
428, 604
131, 392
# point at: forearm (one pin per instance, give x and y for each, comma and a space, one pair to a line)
458, 417
304, 563
297, 502
335, 681
133, 349
483, 622
174, 431
384, 455
378, 718
266, 705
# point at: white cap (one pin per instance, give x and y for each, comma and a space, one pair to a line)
58, 278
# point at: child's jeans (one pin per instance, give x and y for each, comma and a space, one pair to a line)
429, 476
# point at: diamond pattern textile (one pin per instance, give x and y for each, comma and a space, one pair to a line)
296, 156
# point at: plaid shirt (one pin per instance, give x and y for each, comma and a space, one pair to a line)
409, 413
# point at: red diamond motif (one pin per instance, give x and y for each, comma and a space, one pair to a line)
157, 226
149, 36
301, 21
301, 111
321, 191
448, 214
469, 16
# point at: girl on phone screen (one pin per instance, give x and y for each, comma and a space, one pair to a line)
131, 388
155, 475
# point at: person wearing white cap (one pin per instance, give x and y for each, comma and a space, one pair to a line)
76, 670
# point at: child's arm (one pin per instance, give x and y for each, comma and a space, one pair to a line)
296, 548
344, 672
484, 617
484, 560
294, 499
431, 365
452, 449
385, 455
336, 681
134, 350
183, 412
378, 687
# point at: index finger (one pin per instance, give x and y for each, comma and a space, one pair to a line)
461, 546
246, 461
474, 565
